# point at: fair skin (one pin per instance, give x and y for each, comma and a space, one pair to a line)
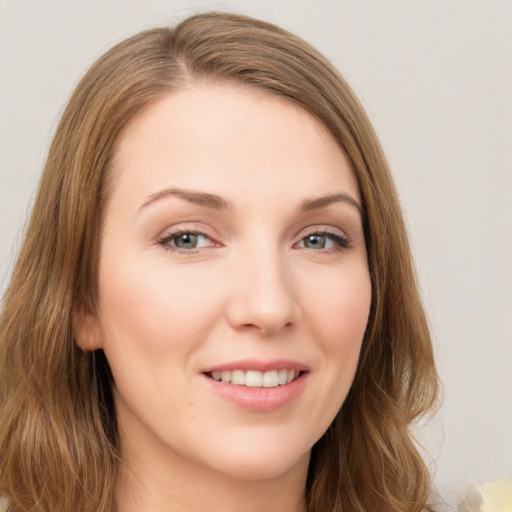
232, 248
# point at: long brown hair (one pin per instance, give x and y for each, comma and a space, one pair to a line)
58, 433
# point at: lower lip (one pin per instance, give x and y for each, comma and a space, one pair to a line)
259, 399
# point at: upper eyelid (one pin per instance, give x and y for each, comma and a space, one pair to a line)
321, 228
318, 228
186, 228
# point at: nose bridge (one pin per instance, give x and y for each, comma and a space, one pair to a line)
263, 296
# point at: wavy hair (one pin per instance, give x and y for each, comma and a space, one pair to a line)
58, 434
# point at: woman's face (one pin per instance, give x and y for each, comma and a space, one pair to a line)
233, 283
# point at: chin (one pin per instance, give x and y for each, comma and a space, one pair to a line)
255, 469
261, 459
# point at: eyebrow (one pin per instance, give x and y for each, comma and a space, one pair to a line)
320, 202
212, 201
216, 202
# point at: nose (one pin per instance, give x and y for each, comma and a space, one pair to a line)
262, 297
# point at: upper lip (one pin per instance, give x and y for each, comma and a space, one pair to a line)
258, 365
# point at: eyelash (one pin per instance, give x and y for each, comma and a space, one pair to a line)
342, 242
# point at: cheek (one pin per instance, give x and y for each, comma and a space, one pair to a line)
339, 316
340, 310
156, 310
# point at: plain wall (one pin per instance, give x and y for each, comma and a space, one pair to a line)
436, 80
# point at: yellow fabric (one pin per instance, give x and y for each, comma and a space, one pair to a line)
489, 497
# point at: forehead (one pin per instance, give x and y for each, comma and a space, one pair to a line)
229, 140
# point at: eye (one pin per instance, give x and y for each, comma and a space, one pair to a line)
324, 240
185, 241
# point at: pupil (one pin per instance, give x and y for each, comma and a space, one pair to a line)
315, 241
187, 241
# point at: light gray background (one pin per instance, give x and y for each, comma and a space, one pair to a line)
436, 79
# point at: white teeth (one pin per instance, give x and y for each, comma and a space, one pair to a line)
270, 379
253, 379
256, 379
238, 377
282, 377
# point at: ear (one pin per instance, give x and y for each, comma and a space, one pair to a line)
87, 330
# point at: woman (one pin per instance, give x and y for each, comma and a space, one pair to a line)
215, 305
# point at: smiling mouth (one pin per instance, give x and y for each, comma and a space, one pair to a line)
255, 378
